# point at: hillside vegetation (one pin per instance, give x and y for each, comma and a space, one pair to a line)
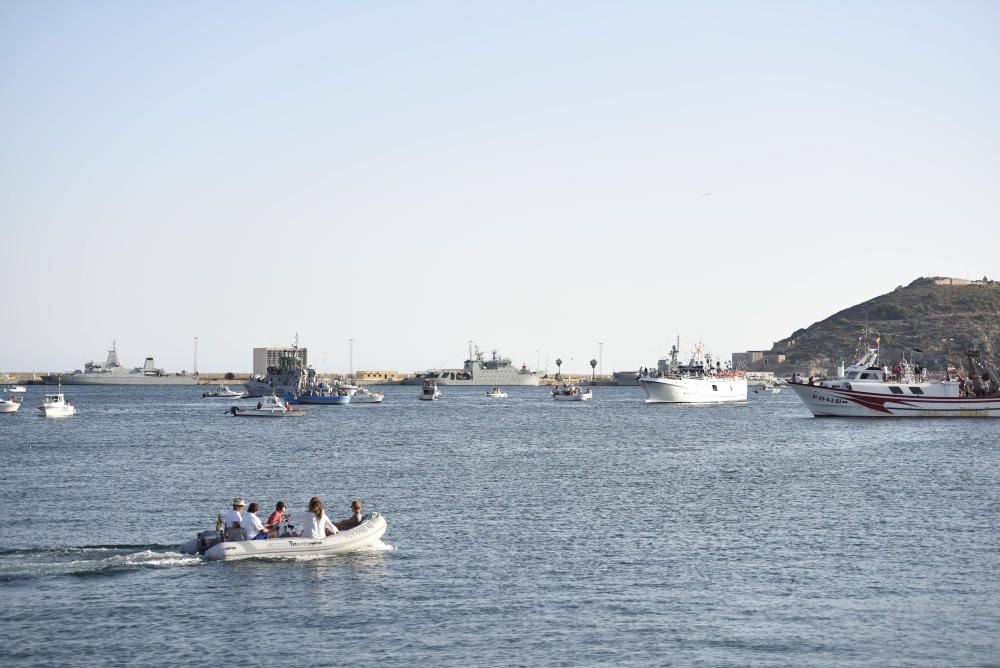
931, 324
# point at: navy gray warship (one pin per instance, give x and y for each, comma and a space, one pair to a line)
113, 373
477, 370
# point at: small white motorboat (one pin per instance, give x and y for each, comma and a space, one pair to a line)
10, 405
55, 405
430, 391
572, 393
365, 396
214, 547
21, 389
223, 392
272, 406
496, 393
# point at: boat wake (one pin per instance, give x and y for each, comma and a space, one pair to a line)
109, 560
86, 561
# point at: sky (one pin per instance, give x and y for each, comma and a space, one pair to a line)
557, 179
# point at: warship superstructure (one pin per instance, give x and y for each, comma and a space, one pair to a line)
113, 373
494, 372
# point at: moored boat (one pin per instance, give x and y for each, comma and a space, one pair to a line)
272, 407
870, 390
496, 393
213, 546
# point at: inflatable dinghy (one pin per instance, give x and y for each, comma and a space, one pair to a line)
212, 546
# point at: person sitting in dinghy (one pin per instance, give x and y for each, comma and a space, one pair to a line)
355, 519
274, 519
234, 518
318, 525
254, 527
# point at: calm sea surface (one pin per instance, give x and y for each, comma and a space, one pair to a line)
521, 532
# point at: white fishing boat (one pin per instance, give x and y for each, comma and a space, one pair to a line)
696, 382
365, 396
572, 393
496, 393
272, 407
870, 390
10, 405
20, 389
223, 392
55, 406
430, 391
214, 546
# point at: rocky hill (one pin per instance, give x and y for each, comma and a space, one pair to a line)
933, 321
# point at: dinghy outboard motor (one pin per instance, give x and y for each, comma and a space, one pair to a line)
207, 539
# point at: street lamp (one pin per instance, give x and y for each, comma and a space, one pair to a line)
559, 366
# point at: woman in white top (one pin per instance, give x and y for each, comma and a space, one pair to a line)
317, 523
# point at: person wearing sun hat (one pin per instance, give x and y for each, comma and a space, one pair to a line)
234, 518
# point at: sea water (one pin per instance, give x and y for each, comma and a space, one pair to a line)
522, 531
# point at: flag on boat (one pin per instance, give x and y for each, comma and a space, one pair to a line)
878, 339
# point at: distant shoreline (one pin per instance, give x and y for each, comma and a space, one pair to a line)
233, 378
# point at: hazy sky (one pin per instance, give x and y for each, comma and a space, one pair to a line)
537, 177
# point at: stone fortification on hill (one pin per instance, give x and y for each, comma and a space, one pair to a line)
933, 321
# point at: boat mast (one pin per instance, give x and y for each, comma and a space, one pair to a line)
351, 367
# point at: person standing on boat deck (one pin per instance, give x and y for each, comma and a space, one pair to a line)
355, 519
252, 524
318, 525
274, 519
234, 518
